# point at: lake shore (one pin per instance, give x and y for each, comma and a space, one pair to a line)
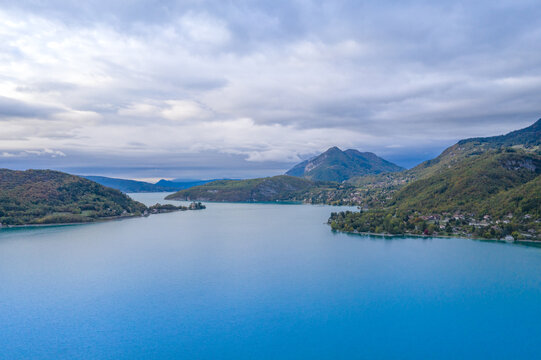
152, 210
112, 218
525, 241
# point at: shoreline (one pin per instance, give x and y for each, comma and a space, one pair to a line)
279, 202
99, 220
438, 236
71, 223
285, 202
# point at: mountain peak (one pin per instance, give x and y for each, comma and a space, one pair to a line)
337, 165
335, 150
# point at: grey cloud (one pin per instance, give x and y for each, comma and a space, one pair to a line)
46, 86
205, 165
15, 108
416, 73
202, 84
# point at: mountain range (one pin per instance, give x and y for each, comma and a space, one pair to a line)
478, 178
490, 187
134, 186
321, 180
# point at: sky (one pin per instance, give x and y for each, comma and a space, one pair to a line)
238, 89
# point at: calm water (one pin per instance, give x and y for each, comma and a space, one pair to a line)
248, 281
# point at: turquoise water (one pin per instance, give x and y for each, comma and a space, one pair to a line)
261, 281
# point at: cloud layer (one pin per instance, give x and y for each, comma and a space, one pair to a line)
256, 87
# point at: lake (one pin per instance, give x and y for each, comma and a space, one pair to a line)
261, 281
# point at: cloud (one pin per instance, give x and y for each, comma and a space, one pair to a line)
179, 110
140, 110
204, 29
19, 109
26, 153
264, 83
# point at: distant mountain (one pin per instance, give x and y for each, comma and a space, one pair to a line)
134, 186
45, 196
126, 186
337, 165
179, 184
274, 188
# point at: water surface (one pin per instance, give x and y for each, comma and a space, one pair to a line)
261, 281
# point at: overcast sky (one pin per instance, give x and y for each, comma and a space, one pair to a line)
207, 89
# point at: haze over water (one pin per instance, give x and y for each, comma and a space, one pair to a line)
245, 281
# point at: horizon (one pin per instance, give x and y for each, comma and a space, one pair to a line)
208, 89
154, 180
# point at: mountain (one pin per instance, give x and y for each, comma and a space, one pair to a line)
45, 196
275, 188
494, 195
337, 165
179, 184
485, 187
126, 186
380, 187
133, 186
474, 184
528, 139
373, 190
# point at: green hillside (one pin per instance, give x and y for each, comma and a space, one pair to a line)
468, 185
276, 188
263, 189
523, 200
337, 165
528, 139
381, 187
45, 196
494, 194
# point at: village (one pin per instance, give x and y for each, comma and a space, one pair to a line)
510, 228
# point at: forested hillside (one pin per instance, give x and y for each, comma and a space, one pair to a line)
489, 187
45, 196
493, 195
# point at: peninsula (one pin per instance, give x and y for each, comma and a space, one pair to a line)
37, 197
